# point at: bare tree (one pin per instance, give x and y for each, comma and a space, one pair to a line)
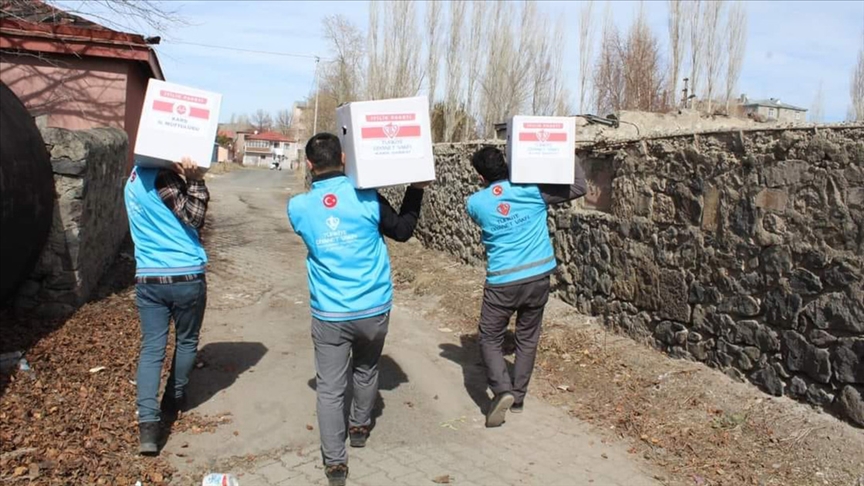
677, 40
817, 109
609, 73
455, 60
713, 48
343, 76
694, 29
374, 82
586, 52
643, 70
125, 15
856, 89
736, 43
262, 121
475, 39
284, 120
397, 70
433, 43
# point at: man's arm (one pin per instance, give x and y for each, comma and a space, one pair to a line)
559, 193
186, 199
400, 226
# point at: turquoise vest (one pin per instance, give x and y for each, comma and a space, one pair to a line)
348, 266
164, 245
512, 218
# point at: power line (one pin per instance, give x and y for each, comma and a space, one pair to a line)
253, 51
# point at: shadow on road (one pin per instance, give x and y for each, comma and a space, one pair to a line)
222, 363
390, 376
473, 371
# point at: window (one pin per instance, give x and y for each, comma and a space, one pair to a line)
770, 112
797, 116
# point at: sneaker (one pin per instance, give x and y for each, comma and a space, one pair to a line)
336, 474
498, 409
518, 407
358, 436
149, 437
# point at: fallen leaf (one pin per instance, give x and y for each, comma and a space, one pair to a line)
19, 471
604, 456
445, 479
97, 369
236, 433
445, 329
564, 388
309, 427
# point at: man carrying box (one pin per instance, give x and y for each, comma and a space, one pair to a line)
350, 288
165, 214
520, 259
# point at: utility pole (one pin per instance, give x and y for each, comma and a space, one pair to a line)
315, 122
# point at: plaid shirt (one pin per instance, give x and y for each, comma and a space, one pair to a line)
186, 199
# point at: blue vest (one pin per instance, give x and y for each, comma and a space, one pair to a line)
348, 264
512, 218
164, 245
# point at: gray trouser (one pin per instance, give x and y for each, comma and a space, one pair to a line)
338, 345
527, 301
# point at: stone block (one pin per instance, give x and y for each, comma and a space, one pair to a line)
664, 209
848, 360
855, 197
768, 379
803, 356
852, 405
836, 311
805, 282
740, 305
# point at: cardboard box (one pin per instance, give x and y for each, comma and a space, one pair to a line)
176, 122
386, 142
541, 150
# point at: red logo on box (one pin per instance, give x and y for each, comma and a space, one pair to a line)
168, 107
330, 201
390, 131
504, 209
497, 190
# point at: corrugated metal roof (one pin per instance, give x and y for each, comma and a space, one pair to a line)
774, 104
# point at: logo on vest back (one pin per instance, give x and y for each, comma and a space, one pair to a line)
504, 209
330, 201
332, 223
497, 190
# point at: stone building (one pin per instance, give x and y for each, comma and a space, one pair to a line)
773, 110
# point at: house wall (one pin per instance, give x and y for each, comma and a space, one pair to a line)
75, 93
779, 114
137, 79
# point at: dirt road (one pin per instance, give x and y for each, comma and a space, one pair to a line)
258, 367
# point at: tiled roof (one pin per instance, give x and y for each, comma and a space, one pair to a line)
38, 12
269, 136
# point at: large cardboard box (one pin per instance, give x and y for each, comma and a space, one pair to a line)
176, 122
386, 142
541, 150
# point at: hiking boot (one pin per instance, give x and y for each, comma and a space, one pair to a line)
171, 408
498, 409
149, 438
518, 407
358, 436
336, 474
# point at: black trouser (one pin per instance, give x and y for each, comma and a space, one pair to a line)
527, 301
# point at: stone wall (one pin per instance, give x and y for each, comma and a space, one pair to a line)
742, 250
89, 219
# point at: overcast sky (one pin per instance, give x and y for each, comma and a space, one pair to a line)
792, 47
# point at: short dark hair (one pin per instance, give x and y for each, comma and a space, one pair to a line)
324, 151
489, 162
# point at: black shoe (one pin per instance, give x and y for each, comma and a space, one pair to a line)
498, 409
358, 436
518, 407
149, 436
171, 408
336, 474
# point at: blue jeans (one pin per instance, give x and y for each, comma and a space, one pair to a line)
157, 304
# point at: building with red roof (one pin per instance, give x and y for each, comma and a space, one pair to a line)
262, 149
73, 73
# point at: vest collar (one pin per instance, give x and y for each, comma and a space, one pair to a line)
328, 175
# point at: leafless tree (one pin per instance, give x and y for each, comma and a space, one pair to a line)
455, 60
736, 43
398, 70
586, 52
856, 89
694, 27
475, 53
644, 88
713, 48
609, 74
817, 109
374, 82
677, 40
262, 121
343, 76
284, 121
125, 15
433, 43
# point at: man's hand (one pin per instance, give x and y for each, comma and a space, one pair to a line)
188, 169
421, 185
